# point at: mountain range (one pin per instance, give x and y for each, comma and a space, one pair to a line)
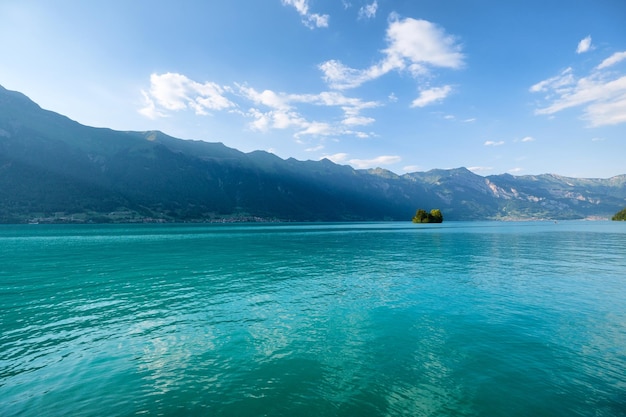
53, 169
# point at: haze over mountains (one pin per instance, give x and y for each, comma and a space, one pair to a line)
53, 169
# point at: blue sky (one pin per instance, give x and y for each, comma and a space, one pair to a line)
524, 87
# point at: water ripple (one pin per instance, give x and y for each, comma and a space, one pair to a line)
465, 319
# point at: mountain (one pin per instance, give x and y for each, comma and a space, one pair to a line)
54, 169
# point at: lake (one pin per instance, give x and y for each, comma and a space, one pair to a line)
351, 319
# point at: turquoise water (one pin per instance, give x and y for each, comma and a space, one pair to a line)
376, 319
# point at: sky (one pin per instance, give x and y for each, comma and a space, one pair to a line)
519, 87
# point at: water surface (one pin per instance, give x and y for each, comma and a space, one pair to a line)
360, 319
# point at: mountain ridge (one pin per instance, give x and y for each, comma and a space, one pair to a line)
53, 169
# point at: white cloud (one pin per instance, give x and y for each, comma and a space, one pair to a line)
368, 11
515, 170
357, 121
264, 120
318, 129
601, 94
362, 135
432, 95
315, 148
310, 20
266, 97
150, 110
338, 158
175, 92
608, 111
375, 162
411, 168
412, 45
478, 169
605, 100
564, 79
266, 109
493, 143
282, 112
584, 45
317, 20
339, 76
342, 158
528, 139
422, 42
612, 60
351, 106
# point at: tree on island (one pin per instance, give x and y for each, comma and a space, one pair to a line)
421, 216
620, 215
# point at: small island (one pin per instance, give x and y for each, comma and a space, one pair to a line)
421, 216
620, 215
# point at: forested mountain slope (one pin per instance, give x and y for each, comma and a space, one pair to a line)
55, 169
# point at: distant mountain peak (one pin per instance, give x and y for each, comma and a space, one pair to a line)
381, 172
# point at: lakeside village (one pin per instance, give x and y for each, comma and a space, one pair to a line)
130, 216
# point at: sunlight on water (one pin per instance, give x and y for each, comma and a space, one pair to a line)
375, 319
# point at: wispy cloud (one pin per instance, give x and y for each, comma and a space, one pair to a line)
612, 60
564, 79
150, 109
368, 11
316, 128
527, 139
315, 148
338, 158
357, 121
584, 45
266, 110
280, 112
479, 169
343, 158
493, 143
411, 168
341, 77
601, 94
431, 95
515, 170
310, 20
174, 92
412, 45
